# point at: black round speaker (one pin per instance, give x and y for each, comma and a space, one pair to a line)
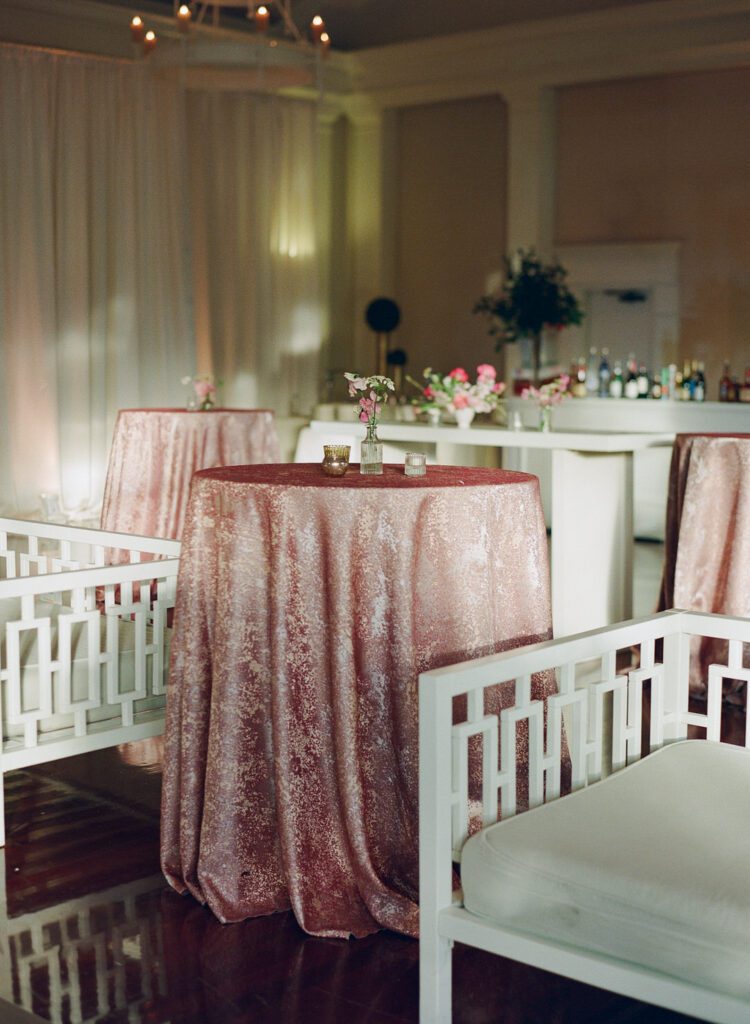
383, 315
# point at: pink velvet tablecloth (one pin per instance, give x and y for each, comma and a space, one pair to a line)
307, 606
156, 451
707, 543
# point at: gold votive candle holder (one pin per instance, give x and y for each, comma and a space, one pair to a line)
335, 459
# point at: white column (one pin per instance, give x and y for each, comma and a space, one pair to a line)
531, 167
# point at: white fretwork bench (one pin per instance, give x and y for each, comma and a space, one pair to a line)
637, 882
84, 640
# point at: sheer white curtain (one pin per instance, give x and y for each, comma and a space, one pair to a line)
252, 168
94, 267
133, 217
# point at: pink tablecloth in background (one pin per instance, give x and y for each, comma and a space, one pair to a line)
307, 606
707, 544
156, 451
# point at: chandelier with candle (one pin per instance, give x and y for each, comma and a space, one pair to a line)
260, 15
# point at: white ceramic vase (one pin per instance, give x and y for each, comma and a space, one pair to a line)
464, 417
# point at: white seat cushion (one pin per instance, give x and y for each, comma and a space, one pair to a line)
649, 866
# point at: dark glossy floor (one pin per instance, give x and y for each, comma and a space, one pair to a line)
94, 934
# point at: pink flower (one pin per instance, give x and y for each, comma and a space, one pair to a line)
428, 392
459, 374
499, 387
485, 370
369, 407
460, 401
204, 388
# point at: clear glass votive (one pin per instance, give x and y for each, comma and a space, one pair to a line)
415, 464
335, 459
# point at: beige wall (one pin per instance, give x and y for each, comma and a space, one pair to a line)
668, 159
451, 186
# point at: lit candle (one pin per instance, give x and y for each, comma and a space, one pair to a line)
317, 28
149, 42
183, 17
262, 17
137, 29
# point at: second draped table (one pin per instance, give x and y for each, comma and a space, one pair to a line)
707, 545
156, 451
307, 606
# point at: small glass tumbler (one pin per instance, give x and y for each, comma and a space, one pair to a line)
335, 459
415, 464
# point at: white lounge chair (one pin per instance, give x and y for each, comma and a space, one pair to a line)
637, 882
84, 640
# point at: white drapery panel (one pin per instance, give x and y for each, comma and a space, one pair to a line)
252, 168
134, 216
94, 265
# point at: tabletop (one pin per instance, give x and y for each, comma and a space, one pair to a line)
307, 607
156, 451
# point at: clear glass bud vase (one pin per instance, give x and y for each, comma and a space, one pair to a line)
371, 452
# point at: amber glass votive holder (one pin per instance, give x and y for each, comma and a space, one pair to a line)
335, 459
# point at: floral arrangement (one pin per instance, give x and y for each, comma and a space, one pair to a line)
549, 394
532, 296
204, 389
373, 391
454, 391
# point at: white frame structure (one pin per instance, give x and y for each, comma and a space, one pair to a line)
443, 786
64, 577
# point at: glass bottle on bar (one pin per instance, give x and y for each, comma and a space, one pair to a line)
744, 389
616, 381
699, 389
592, 374
604, 374
643, 382
631, 381
727, 389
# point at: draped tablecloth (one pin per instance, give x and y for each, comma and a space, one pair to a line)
707, 543
306, 608
156, 451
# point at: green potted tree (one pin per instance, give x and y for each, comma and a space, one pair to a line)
533, 296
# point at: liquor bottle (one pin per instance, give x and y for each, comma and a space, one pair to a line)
686, 387
727, 389
578, 378
674, 380
631, 384
656, 386
744, 389
699, 389
604, 374
643, 382
592, 373
616, 382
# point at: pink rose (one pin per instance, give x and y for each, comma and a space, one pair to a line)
204, 388
459, 374
428, 392
485, 370
460, 401
498, 387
